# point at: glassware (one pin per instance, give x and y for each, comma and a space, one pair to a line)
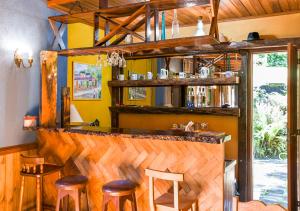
200, 31
163, 26
175, 26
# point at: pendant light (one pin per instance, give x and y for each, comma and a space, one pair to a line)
200, 31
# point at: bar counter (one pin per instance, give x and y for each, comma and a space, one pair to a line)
105, 154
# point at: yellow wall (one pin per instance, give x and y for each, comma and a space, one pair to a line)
282, 26
81, 35
229, 125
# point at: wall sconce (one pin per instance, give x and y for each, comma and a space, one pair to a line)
19, 59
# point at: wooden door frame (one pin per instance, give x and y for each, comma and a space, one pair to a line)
245, 126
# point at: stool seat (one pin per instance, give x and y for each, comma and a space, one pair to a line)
47, 169
74, 181
119, 191
119, 186
72, 186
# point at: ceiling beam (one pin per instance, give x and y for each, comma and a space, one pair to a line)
53, 3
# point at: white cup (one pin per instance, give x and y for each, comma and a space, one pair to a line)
182, 75
121, 77
134, 76
149, 75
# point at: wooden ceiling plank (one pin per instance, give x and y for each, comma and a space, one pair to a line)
52, 3
284, 4
231, 7
250, 7
266, 4
240, 6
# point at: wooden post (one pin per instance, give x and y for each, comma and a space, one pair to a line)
292, 127
48, 88
96, 29
148, 24
244, 145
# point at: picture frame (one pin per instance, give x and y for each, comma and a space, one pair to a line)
87, 81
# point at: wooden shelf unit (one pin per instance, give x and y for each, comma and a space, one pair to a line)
175, 82
173, 110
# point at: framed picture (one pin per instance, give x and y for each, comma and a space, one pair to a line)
87, 82
136, 93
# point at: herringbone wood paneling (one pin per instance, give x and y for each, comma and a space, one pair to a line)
106, 158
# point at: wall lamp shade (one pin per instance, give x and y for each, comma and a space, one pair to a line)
19, 59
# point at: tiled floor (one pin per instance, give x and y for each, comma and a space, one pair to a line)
270, 181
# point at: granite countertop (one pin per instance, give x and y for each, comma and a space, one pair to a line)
168, 135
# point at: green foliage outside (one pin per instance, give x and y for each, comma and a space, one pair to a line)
270, 119
274, 59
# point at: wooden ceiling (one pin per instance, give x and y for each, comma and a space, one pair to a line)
229, 9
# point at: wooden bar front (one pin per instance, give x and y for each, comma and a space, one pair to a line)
103, 158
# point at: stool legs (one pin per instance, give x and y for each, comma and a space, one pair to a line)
21, 192
76, 197
38, 194
119, 202
64, 195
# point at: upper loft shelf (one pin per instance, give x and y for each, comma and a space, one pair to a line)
175, 82
179, 46
126, 10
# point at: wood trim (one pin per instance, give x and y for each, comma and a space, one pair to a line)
18, 148
179, 111
243, 138
234, 80
292, 127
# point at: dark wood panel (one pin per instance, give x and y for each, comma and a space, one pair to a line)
173, 110
175, 82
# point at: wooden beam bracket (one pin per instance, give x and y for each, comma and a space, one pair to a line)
124, 23
58, 32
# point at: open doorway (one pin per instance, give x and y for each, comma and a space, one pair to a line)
269, 130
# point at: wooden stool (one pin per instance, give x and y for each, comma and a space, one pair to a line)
118, 192
169, 201
36, 167
71, 186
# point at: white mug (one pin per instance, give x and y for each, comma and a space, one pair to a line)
204, 72
149, 75
134, 76
121, 77
182, 75
164, 74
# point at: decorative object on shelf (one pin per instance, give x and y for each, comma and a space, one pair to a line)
19, 59
175, 25
164, 74
163, 25
87, 81
200, 31
129, 39
252, 36
137, 93
182, 75
133, 76
149, 75
30, 121
204, 72
121, 77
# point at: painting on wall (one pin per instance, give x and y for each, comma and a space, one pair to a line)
87, 81
136, 93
